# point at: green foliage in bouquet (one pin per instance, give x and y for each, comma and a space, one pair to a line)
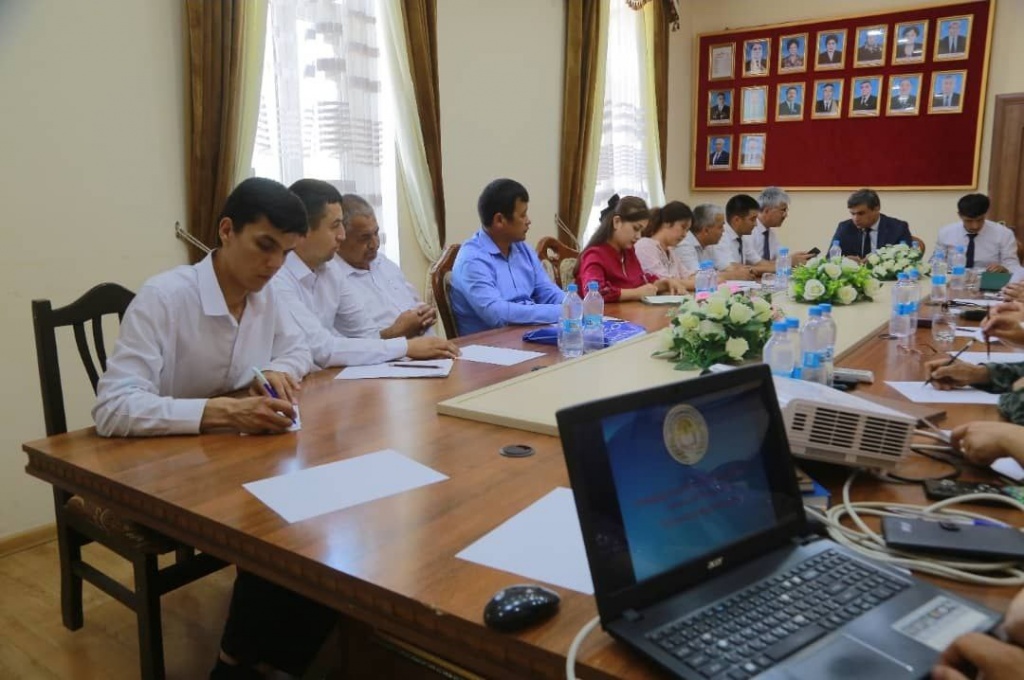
842, 284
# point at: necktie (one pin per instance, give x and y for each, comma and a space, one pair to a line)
767, 250
865, 242
946, 101
952, 44
739, 246
970, 250
864, 101
828, 105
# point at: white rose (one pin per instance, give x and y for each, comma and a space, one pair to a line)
833, 271
763, 309
716, 308
739, 313
923, 268
813, 290
668, 339
688, 322
881, 270
902, 247
813, 262
723, 290
846, 295
736, 348
849, 265
874, 259
710, 329
872, 287
901, 264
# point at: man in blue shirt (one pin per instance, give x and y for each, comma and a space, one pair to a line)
497, 279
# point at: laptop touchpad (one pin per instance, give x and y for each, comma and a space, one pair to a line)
845, 656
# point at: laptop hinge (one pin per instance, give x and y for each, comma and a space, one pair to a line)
632, 615
805, 540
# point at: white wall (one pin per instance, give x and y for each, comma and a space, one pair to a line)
814, 214
91, 182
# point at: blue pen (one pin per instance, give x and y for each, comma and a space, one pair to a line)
267, 386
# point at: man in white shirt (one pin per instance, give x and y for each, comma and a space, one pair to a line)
196, 332
774, 204
312, 286
741, 213
389, 304
706, 241
987, 244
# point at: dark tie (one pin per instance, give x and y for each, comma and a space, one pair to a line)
739, 245
865, 242
864, 101
766, 251
952, 44
970, 250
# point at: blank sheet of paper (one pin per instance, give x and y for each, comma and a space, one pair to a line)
325, 488
497, 355
410, 368
926, 394
997, 357
542, 543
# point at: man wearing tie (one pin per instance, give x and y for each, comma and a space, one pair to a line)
947, 97
774, 203
719, 156
905, 99
868, 229
756, 65
953, 43
790, 106
865, 101
988, 244
721, 110
827, 104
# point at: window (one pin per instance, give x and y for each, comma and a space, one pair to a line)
325, 108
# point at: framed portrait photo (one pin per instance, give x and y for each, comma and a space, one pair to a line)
871, 46
722, 61
752, 146
904, 94
828, 98
790, 102
720, 107
793, 53
866, 96
756, 55
953, 37
947, 92
909, 39
755, 104
830, 52
719, 152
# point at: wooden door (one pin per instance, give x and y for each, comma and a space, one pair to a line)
1006, 167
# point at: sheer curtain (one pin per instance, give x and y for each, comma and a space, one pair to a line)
628, 162
322, 112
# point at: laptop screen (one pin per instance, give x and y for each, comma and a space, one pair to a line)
676, 475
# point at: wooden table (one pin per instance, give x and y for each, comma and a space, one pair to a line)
391, 563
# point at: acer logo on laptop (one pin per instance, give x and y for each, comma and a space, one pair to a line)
715, 563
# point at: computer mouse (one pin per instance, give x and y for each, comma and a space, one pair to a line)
517, 607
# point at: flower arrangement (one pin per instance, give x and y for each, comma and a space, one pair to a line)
843, 283
888, 261
723, 328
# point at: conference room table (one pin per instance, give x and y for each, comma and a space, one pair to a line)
391, 563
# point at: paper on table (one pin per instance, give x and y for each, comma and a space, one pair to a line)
426, 368
1008, 467
977, 303
502, 356
926, 394
335, 486
787, 389
296, 425
997, 357
543, 543
975, 333
662, 299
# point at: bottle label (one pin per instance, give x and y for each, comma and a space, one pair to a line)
592, 322
959, 271
570, 325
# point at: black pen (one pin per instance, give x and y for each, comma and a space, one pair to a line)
952, 359
415, 365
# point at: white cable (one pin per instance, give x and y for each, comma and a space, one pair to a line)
574, 648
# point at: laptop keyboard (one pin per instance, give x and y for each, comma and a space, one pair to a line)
758, 627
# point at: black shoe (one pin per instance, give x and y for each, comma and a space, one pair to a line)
225, 671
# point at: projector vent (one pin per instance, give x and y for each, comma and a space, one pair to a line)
799, 421
833, 428
882, 436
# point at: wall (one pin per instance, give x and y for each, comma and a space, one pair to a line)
814, 214
92, 180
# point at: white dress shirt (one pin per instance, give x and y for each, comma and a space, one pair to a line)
756, 239
382, 293
657, 261
179, 345
994, 244
314, 299
691, 253
727, 252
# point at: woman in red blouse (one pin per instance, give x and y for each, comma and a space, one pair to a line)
609, 257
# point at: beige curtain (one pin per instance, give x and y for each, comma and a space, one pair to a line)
659, 54
214, 68
582, 109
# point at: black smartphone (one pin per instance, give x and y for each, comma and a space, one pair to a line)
953, 538
814, 251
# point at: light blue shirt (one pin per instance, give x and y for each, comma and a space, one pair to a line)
490, 290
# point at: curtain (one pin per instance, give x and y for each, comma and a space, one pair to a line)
586, 27
658, 22
648, 30
254, 33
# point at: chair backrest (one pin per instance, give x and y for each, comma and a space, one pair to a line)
558, 260
106, 298
440, 286
920, 243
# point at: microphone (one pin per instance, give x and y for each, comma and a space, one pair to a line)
565, 230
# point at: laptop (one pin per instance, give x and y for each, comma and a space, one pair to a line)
701, 555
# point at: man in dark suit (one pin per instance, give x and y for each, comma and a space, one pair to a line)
953, 43
947, 97
790, 106
719, 156
720, 111
756, 65
871, 50
827, 104
905, 99
832, 54
865, 101
868, 229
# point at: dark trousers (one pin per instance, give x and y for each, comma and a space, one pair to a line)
272, 625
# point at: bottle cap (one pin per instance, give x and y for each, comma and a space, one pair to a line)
571, 288
783, 250
792, 322
825, 307
593, 285
902, 276
778, 326
913, 273
814, 311
835, 242
706, 264
959, 249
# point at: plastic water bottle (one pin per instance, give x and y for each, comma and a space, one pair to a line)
706, 281
915, 249
813, 348
957, 272
939, 262
914, 283
899, 319
570, 328
939, 294
828, 331
593, 319
835, 253
793, 329
783, 269
778, 351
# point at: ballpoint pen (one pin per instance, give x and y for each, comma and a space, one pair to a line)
952, 359
267, 386
401, 365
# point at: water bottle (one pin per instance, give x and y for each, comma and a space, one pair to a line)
813, 348
913, 282
915, 249
593, 319
939, 261
778, 351
828, 331
793, 330
899, 319
706, 281
939, 295
835, 253
570, 329
782, 269
957, 272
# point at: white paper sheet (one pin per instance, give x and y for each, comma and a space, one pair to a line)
542, 543
975, 333
501, 356
662, 299
410, 368
977, 303
997, 357
1009, 468
920, 393
335, 486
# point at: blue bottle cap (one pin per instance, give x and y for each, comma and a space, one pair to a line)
571, 288
778, 326
792, 322
825, 307
783, 250
593, 285
814, 311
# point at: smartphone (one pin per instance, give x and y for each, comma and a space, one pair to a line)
814, 251
953, 538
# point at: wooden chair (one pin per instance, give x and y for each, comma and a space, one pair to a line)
920, 243
81, 521
557, 259
441, 286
